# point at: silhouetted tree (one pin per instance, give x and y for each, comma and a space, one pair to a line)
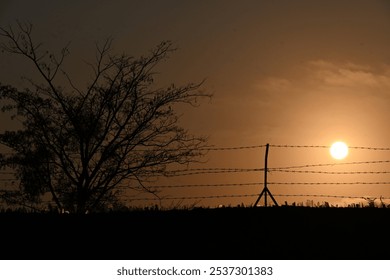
82, 146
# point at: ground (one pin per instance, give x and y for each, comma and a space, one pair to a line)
226, 233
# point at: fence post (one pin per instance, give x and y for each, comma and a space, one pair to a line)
265, 190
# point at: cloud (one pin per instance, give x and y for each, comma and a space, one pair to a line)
321, 82
274, 84
350, 75
318, 74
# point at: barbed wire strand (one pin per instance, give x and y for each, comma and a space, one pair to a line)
252, 195
297, 146
213, 148
262, 183
329, 164
331, 172
207, 185
231, 148
327, 147
328, 183
196, 171
326, 195
259, 184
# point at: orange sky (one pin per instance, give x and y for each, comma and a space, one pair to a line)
282, 72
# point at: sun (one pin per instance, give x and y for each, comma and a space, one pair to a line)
339, 150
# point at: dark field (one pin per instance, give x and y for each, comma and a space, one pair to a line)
225, 233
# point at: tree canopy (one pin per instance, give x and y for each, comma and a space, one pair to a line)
83, 147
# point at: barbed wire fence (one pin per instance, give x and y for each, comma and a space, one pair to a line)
129, 198
297, 169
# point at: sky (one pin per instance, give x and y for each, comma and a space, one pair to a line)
295, 73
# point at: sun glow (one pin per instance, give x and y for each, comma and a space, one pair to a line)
339, 150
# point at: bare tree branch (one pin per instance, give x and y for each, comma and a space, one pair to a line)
119, 129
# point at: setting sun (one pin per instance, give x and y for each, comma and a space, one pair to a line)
339, 150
